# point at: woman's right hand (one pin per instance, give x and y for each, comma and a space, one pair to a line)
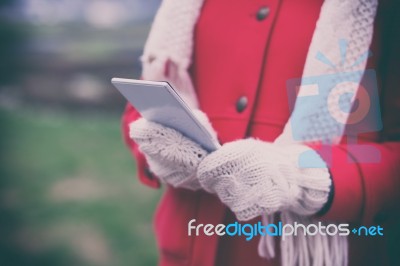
172, 157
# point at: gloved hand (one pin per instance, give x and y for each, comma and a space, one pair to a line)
172, 157
254, 177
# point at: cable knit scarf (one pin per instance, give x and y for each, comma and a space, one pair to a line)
167, 56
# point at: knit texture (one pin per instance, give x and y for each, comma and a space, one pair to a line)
172, 157
340, 47
253, 177
168, 51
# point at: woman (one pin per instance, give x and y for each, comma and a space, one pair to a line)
235, 61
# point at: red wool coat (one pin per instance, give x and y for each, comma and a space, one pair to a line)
244, 53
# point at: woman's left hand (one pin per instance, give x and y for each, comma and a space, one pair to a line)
254, 177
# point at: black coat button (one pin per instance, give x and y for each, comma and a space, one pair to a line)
262, 13
241, 104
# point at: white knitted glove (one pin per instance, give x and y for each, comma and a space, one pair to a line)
172, 157
254, 177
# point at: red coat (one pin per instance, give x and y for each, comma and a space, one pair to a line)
241, 51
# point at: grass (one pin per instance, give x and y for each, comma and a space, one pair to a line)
68, 193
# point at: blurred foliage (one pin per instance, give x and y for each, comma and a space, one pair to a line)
12, 38
68, 191
68, 195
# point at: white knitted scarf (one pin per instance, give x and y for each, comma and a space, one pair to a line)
168, 54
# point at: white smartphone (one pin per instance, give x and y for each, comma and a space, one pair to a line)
157, 101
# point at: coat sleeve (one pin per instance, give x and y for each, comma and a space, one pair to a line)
363, 192
369, 192
143, 172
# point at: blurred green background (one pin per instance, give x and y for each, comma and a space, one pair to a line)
68, 190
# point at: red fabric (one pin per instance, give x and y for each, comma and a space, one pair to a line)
236, 55
129, 116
